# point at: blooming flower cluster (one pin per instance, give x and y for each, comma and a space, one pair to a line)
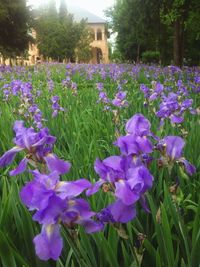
173, 105
55, 105
55, 203
119, 100
68, 83
171, 148
27, 107
50, 85
126, 177
38, 148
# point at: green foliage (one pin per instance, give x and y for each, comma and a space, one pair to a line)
168, 26
59, 37
83, 51
150, 57
168, 236
15, 19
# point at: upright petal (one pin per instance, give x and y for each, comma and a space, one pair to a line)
174, 146
138, 125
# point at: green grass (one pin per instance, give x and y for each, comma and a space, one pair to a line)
171, 231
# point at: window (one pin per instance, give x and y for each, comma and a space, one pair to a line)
99, 35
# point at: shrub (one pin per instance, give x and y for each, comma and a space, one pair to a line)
151, 57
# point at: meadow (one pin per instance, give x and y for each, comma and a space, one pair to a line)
146, 117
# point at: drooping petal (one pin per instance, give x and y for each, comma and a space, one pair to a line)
35, 196
125, 194
176, 119
91, 226
122, 213
190, 169
153, 96
48, 244
48, 180
105, 216
94, 188
143, 202
134, 145
9, 156
52, 212
20, 168
82, 207
144, 144
56, 164
72, 189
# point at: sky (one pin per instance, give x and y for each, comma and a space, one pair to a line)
95, 6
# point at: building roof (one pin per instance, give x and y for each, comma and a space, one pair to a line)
80, 13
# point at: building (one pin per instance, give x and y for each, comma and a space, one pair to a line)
99, 44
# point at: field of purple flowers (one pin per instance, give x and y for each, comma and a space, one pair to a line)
99, 166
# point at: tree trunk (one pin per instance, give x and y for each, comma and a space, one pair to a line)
138, 53
3, 61
178, 43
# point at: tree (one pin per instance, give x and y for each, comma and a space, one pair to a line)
15, 20
59, 36
83, 50
47, 28
170, 27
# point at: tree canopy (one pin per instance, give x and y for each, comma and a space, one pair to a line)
59, 36
15, 20
170, 27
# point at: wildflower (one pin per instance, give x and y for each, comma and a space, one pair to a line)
38, 148
171, 148
55, 202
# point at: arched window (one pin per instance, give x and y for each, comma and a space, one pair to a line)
99, 35
92, 34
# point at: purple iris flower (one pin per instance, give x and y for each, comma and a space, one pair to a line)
103, 97
128, 180
38, 148
120, 99
172, 150
50, 85
55, 202
138, 125
134, 145
158, 89
55, 105
99, 86
145, 90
